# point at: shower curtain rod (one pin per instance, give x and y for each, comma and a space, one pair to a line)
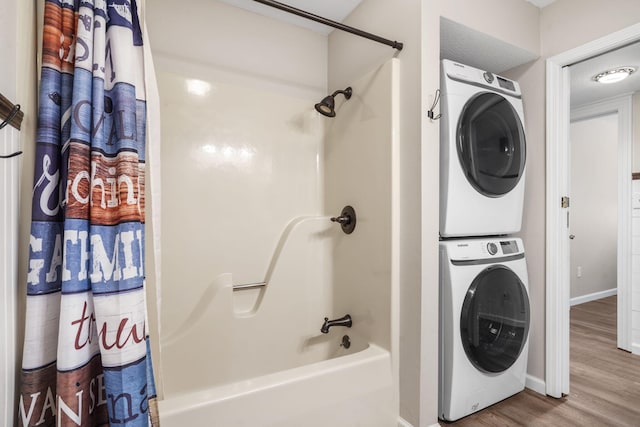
334, 24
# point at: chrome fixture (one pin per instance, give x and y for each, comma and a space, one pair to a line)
347, 219
327, 106
343, 321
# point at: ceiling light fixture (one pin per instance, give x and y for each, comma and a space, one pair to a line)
614, 75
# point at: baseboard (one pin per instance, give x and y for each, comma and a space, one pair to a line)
404, 423
635, 348
535, 384
592, 297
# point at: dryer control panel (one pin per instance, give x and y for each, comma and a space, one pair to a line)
468, 74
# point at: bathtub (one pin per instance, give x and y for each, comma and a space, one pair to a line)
348, 391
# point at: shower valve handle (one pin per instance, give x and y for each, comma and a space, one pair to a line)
342, 219
347, 219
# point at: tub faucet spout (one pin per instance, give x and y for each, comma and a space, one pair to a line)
343, 321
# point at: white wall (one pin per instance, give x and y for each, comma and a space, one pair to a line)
18, 82
8, 299
566, 24
636, 132
635, 229
635, 274
594, 204
8, 48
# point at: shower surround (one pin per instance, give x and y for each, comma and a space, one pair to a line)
251, 174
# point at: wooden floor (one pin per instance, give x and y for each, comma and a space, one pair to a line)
605, 382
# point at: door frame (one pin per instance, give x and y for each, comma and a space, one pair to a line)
557, 233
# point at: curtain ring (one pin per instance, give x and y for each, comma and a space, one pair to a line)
11, 115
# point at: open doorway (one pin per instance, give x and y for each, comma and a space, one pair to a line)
594, 206
559, 269
596, 141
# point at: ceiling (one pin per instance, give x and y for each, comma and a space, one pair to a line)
335, 10
584, 90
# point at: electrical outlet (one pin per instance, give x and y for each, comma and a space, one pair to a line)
579, 271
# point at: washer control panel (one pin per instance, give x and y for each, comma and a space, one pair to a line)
488, 77
478, 249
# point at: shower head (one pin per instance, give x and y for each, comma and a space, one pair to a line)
327, 106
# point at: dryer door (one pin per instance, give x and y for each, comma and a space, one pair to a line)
494, 323
491, 144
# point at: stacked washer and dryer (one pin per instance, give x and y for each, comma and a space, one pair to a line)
484, 303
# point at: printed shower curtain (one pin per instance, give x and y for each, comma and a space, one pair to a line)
86, 355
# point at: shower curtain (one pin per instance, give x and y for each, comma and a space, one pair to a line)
86, 359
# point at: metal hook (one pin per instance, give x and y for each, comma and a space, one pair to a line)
11, 115
430, 112
6, 121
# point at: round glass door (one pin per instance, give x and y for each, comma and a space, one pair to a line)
491, 144
494, 323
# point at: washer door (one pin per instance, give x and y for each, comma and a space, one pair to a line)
491, 144
494, 323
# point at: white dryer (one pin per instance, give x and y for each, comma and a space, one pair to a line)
482, 153
484, 324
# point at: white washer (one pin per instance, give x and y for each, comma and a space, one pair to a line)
484, 324
482, 153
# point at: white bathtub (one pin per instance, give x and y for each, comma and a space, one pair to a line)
347, 391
